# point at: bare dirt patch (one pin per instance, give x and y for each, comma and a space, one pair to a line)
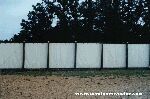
58, 87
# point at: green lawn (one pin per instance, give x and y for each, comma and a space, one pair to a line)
83, 73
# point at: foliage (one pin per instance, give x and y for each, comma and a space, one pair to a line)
114, 21
81, 73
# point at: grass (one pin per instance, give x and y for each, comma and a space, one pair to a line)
83, 73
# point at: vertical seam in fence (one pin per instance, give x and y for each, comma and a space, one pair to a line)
23, 61
126, 56
149, 56
48, 55
101, 57
75, 55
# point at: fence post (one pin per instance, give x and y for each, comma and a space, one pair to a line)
101, 57
23, 61
75, 55
149, 56
48, 55
126, 56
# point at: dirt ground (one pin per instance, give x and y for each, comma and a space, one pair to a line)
57, 87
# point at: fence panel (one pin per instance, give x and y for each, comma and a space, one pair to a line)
114, 56
11, 55
36, 55
61, 55
88, 55
138, 55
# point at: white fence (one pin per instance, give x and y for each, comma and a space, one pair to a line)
71, 55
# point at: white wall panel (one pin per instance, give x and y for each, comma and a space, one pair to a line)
61, 55
36, 55
11, 55
88, 55
138, 55
114, 56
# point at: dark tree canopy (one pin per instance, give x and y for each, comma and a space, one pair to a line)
114, 21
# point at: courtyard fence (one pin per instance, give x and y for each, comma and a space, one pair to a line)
73, 55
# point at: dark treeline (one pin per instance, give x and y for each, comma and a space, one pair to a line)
113, 21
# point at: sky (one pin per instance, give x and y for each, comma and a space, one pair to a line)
11, 14
13, 11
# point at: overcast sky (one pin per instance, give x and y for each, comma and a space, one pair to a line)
11, 14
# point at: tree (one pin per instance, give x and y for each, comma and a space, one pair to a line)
146, 19
113, 25
38, 27
113, 21
68, 15
132, 15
